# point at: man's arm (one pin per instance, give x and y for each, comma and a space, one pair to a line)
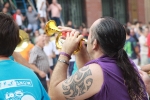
59, 7
83, 84
82, 57
32, 60
35, 69
18, 58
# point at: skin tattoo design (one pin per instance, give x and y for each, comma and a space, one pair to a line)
77, 84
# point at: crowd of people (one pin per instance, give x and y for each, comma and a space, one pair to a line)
33, 22
137, 43
110, 65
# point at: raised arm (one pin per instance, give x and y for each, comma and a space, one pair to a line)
86, 82
59, 7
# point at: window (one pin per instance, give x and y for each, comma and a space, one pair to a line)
73, 10
116, 9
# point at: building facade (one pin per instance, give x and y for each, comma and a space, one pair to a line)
87, 11
123, 10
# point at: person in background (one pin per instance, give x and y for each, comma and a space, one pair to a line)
42, 29
143, 47
7, 5
18, 17
32, 17
129, 25
41, 7
39, 59
5, 11
138, 29
85, 33
133, 34
36, 34
56, 51
69, 24
80, 28
49, 51
55, 9
131, 47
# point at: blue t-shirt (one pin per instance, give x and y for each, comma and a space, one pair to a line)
18, 82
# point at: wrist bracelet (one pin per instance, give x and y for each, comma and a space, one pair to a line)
63, 61
65, 54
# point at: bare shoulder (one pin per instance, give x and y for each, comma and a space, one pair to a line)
97, 73
94, 69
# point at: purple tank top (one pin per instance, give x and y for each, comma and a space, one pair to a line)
113, 87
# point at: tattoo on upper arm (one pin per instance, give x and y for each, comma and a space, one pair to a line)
78, 84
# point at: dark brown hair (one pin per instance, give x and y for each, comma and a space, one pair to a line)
9, 35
